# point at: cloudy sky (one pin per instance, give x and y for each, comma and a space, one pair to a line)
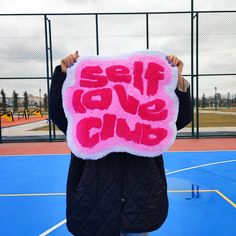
61, 6
22, 47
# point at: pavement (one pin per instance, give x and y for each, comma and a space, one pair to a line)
25, 131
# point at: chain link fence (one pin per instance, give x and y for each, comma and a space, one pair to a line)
32, 45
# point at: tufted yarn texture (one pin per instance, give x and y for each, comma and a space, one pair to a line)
121, 104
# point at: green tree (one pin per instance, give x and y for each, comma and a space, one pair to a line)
26, 100
3, 105
203, 101
45, 102
15, 101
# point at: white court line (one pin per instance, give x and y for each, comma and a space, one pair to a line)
61, 154
201, 151
170, 173
53, 228
199, 166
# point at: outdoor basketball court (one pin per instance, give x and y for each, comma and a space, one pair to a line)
34, 155
201, 188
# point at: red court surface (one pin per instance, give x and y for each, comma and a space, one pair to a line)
205, 144
21, 121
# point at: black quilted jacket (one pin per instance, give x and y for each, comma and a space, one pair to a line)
120, 192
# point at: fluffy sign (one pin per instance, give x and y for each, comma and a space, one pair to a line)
121, 104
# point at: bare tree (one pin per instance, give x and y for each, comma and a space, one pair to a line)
203, 102
26, 100
3, 105
45, 102
15, 101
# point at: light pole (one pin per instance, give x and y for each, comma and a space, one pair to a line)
40, 99
215, 99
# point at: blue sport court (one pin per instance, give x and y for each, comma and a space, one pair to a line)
202, 194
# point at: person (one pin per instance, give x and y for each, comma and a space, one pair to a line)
120, 194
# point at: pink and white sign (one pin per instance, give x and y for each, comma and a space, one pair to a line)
121, 104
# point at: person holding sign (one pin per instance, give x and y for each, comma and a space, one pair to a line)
119, 115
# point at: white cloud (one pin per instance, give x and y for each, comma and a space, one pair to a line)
22, 38
60, 6
45, 6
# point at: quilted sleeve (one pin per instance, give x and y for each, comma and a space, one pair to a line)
185, 108
55, 100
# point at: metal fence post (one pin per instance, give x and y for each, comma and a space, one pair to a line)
192, 62
47, 67
195, 74
147, 30
197, 81
51, 73
97, 39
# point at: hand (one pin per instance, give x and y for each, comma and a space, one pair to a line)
68, 61
175, 61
